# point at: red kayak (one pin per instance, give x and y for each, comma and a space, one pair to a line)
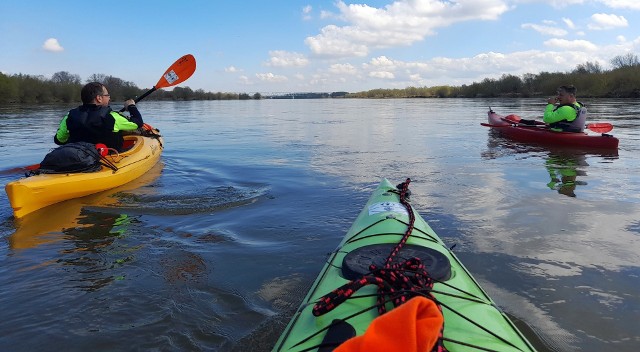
512, 127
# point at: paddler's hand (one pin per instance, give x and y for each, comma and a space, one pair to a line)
128, 103
552, 100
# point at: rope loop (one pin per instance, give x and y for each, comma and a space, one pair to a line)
397, 281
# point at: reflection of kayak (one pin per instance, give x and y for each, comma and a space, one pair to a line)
39, 227
542, 135
32, 193
470, 317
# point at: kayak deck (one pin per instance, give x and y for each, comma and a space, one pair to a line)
35, 192
471, 318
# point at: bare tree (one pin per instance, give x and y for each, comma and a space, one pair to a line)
65, 77
97, 77
628, 60
589, 67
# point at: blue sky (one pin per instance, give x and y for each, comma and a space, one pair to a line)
314, 46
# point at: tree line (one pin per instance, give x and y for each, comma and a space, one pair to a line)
64, 87
591, 80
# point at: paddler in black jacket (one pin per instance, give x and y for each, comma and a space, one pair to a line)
95, 122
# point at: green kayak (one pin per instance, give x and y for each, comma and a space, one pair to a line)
383, 235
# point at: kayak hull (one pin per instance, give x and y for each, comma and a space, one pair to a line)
544, 136
36, 192
384, 221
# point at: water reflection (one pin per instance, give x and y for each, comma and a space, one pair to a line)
564, 170
566, 167
92, 251
41, 227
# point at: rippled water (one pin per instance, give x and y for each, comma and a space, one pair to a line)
216, 246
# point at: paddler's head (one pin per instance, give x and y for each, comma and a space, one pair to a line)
95, 93
566, 95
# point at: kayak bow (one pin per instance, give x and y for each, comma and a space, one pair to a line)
472, 321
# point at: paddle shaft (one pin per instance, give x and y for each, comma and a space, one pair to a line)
145, 94
595, 127
598, 127
141, 97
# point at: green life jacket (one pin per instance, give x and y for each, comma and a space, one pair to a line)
577, 124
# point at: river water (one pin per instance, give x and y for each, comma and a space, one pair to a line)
216, 246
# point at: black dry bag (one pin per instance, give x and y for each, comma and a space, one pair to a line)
71, 157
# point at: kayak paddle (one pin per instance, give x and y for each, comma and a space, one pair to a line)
19, 169
598, 127
177, 73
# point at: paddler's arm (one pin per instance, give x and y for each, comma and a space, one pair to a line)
136, 116
62, 134
123, 123
128, 124
563, 113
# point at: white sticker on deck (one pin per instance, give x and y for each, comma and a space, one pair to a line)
382, 207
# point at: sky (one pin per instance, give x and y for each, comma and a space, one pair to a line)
314, 46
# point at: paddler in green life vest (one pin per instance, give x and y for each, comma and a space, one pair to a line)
564, 113
95, 122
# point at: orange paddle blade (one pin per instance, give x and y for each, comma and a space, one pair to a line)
179, 72
20, 169
600, 127
513, 118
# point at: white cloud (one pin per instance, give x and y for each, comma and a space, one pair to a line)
545, 30
571, 44
270, 77
602, 21
382, 61
564, 55
341, 69
622, 4
415, 77
448, 71
281, 58
365, 28
244, 80
306, 12
561, 4
326, 14
52, 44
399, 24
569, 23
232, 69
332, 42
382, 74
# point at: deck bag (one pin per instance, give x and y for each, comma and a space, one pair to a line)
411, 327
71, 157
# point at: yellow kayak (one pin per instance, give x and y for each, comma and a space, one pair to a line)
32, 193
